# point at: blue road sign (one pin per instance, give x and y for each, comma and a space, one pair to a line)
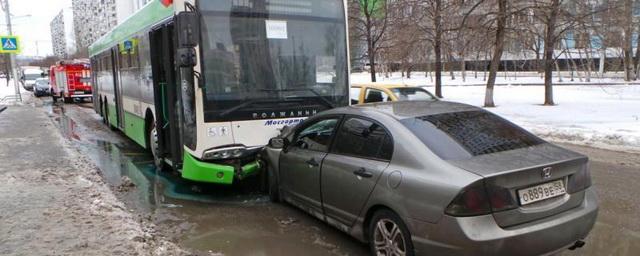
9, 44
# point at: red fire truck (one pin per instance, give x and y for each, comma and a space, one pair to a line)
71, 80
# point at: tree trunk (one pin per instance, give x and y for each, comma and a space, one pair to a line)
437, 48
629, 73
475, 66
497, 53
463, 68
451, 66
549, 43
558, 71
371, 47
603, 59
538, 66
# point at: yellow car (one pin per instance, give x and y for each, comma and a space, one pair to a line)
372, 93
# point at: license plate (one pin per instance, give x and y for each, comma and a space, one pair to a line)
77, 92
541, 192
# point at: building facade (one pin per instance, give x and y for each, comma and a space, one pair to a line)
92, 19
62, 34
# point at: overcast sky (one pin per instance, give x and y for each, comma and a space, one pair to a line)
35, 29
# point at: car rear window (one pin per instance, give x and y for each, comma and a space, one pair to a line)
477, 132
410, 93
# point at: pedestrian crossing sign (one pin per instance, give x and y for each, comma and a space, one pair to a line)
9, 44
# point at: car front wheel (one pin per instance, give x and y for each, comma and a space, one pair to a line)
389, 236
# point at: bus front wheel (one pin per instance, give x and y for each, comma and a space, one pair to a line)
155, 147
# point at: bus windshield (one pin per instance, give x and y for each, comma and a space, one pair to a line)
272, 56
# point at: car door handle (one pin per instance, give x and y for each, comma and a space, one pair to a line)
312, 162
362, 172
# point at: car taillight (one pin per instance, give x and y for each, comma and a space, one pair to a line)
580, 180
500, 198
472, 201
480, 199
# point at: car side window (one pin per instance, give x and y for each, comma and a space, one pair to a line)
363, 138
317, 136
355, 95
374, 96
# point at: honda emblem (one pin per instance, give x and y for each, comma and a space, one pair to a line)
546, 173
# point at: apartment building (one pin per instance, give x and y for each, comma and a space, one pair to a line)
62, 34
92, 19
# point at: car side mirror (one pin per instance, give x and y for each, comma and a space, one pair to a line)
278, 143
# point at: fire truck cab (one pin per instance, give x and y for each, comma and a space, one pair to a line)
71, 80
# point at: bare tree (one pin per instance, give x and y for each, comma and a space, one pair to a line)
497, 51
629, 71
437, 20
550, 39
369, 22
558, 17
436, 6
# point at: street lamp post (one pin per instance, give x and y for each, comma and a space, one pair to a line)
12, 57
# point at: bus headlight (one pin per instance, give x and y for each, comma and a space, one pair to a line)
228, 153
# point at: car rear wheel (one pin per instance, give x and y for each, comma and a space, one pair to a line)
388, 235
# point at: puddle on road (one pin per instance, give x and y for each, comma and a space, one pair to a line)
124, 159
236, 220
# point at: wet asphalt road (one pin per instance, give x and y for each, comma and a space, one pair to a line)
241, 221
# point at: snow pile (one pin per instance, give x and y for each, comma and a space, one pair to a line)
9, 90
600, 115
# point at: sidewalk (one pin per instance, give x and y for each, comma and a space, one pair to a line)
53, 201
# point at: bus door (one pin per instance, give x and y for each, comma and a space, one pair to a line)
117, 82
94, 85
166, 95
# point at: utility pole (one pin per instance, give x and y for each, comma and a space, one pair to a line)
12, 57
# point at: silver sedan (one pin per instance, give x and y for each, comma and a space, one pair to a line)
434, 178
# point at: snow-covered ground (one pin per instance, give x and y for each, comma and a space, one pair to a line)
503, 78
600, 115
8, 90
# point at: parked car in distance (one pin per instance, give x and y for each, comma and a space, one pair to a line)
42, 87
29, 76
434, 178
374, 93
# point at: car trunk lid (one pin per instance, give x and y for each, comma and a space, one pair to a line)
514, 170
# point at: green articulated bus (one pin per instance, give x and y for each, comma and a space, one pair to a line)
204, 84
